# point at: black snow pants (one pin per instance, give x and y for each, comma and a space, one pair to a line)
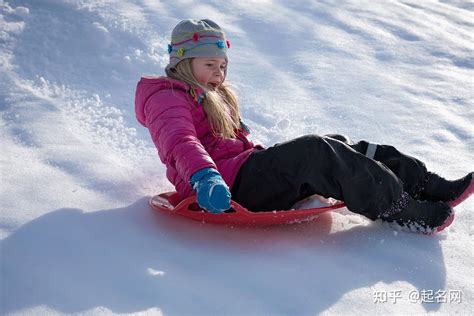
369, 178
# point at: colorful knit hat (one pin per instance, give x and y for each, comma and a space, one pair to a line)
196, 38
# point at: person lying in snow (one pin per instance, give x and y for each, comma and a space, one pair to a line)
194, 120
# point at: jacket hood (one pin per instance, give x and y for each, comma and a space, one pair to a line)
148, 86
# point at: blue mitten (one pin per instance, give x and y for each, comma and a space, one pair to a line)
212, 192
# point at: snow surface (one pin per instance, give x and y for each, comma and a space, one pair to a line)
77, 236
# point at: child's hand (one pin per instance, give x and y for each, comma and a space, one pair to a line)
212, 192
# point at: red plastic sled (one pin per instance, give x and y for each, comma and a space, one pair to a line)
170, 202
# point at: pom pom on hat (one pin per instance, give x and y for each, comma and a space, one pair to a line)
180, 52
220, 44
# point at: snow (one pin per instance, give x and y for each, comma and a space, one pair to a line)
77, 235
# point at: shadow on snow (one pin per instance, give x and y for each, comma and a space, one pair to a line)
131, 259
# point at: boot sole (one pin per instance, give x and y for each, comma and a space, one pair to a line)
448, 222
464, 196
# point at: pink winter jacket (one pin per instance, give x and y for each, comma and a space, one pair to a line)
180, 130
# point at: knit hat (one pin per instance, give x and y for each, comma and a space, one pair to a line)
196, 38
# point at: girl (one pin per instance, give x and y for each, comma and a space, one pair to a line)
194, 120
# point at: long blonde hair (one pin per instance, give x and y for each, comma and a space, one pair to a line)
220, 105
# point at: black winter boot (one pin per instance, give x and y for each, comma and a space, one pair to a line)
422, 216
436, 188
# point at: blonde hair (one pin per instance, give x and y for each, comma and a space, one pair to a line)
220, 105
